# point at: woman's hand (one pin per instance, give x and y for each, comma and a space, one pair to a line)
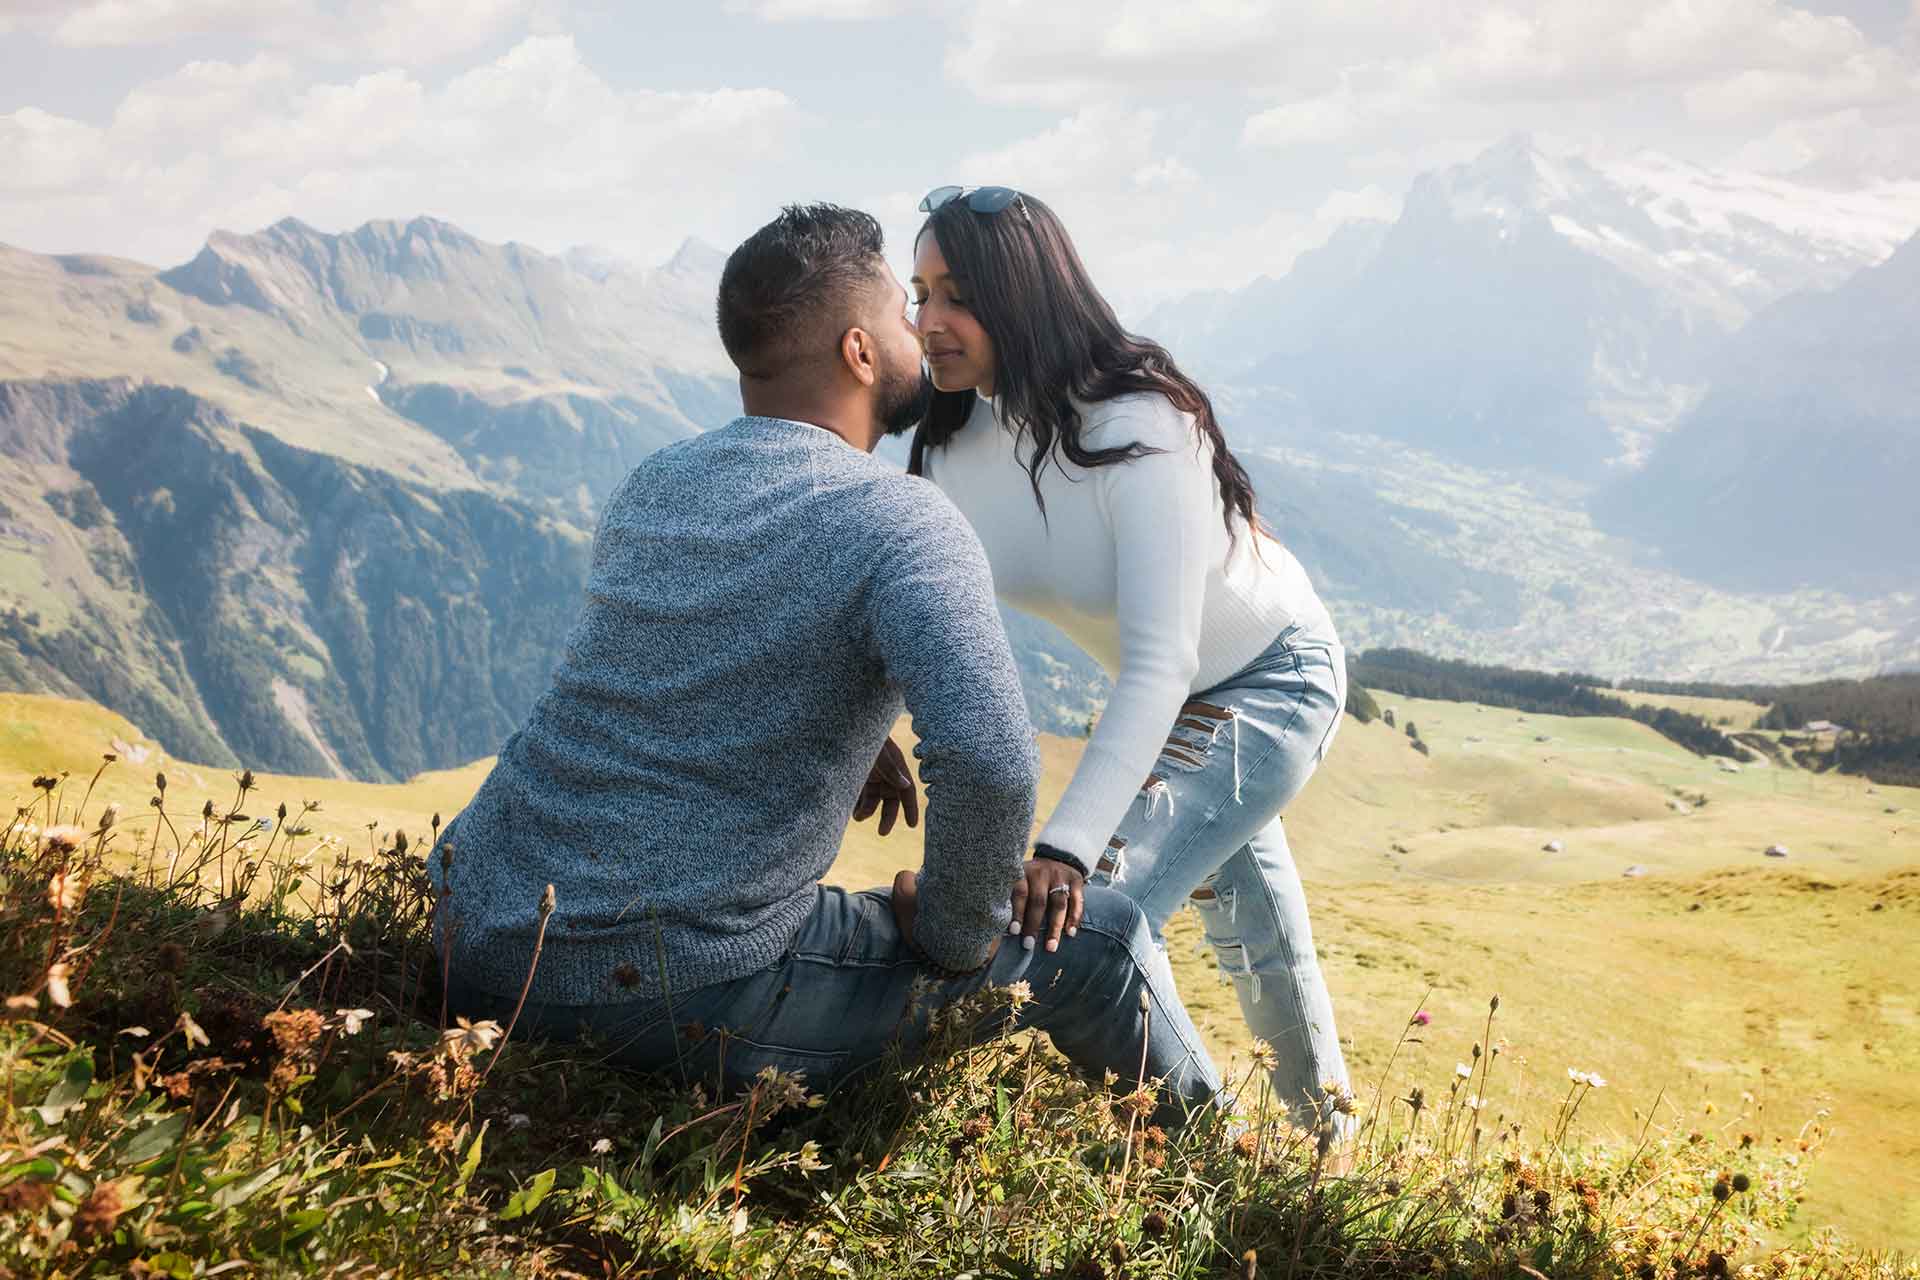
889, 788
1049, 899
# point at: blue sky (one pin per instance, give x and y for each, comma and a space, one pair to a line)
1189, 145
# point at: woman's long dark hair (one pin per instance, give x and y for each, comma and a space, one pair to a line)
1055, 341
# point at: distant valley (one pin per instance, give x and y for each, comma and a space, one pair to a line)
323, 502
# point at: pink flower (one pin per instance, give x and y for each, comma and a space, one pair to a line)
1422, 1018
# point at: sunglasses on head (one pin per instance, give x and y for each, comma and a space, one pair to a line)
979, 199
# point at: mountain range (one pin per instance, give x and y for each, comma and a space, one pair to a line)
323, 502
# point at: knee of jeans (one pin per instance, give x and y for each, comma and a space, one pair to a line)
1112, 912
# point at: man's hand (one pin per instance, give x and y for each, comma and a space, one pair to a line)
889, 789
1048, 900
906, 905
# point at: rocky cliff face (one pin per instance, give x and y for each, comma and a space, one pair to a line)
241, 598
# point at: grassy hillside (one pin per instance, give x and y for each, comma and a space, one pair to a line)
1717, 974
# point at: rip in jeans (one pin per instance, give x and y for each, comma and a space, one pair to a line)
1194, 736
1231, 953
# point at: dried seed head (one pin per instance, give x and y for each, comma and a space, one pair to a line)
1154, 1225
547, 902
109, 816
65, 891
160, 781
281, 812
400, 842
626, 975
99, 1212
1722, 1190
206, 810
1493, 1005
1742, 1183
65, 838
246, 780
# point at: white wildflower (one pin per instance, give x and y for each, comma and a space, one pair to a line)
470, 1037
602, 1146
192, 1030
351, 1020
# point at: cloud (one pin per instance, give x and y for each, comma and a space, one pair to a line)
396, 32
532, 145
1698, 75
819, 10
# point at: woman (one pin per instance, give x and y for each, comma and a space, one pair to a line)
1109, 504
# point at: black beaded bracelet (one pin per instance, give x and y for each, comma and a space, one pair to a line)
1052, 854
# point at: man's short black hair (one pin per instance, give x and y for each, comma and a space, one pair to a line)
795, 285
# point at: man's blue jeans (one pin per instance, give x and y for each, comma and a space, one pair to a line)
844, 996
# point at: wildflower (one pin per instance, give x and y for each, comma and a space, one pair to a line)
138, 1033
809, 1157
1019, 995
192, 1030
22, 1004
1462, 1070
351, 1020
1264, 1056
64, 838
57, 991
64, 891
441, 1136
604, 1146
1420, 1019
470, 1037
1246, 1144
1594, 1081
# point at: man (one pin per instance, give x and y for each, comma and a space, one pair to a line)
760, 600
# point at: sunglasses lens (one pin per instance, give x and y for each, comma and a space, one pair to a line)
992, 199
937, 197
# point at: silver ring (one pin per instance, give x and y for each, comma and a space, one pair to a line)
1059, 888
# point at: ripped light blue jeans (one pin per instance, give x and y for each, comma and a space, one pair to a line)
1206, 831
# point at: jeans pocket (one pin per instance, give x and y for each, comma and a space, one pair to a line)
744, 1057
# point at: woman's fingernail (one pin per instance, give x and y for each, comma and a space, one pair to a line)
1074, 932
1053, 944
1013, 927
1026, 943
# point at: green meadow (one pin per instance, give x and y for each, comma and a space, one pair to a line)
1714, 988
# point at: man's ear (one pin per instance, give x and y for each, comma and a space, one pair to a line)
862, 355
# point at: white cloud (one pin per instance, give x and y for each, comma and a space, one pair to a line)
533, 145
819, 10
395, 32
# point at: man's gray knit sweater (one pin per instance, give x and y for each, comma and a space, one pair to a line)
760, 599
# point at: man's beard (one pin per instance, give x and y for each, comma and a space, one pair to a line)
905, 401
